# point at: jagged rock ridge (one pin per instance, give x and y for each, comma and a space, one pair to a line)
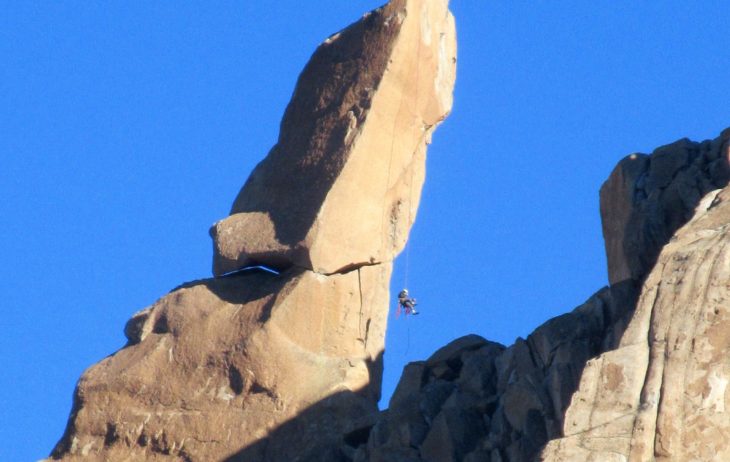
661, 395
599, 381
647, 198
215, 367
477, 400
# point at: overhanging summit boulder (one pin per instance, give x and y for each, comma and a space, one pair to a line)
341, 187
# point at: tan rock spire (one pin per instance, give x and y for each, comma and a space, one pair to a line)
341, 187
215, 368
648, 197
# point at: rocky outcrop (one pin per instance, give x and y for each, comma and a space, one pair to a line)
215, 369
661, 395
255, 365
648, 197
356, 129
215, 364
475, 400
607, 381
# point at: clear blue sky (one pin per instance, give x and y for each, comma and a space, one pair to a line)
127, 128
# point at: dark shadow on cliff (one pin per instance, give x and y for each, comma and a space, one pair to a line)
251, 284
246, 285
327, 431
471, 398
477, 400
660, 192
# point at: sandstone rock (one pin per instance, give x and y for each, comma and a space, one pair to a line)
662, 394
632, 382
254, 366
477, 400
350, 160
647, 198
247, 352
261, 367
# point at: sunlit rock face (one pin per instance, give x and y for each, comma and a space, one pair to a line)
341, 187
255, 366
661, 395
215, 365
637, 373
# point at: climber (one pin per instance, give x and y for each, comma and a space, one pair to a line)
407, 303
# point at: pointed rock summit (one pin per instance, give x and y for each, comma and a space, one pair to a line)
340, 188
255, 366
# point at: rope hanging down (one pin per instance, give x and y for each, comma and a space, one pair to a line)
410, 303
405, 302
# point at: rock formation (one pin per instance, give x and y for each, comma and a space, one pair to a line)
603, 382
475, 400
661, 395
341, 187
213, 368
256, 366
647, 198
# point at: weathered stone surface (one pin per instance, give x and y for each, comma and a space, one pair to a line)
257, 367
254, 366
647, 198
477, 400
662, 394
350, 160
214, 365
522, 392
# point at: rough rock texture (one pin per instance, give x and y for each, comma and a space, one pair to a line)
479, 401
662, 395
214, 365
648, 197
260, 367
475, 400
255, 366
356, 129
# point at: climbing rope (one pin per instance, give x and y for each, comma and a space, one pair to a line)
410, 225
408, 338
386, 210
410, 182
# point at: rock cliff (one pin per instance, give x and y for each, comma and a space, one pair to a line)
212, 368
661, 394
636, 373
256, 366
